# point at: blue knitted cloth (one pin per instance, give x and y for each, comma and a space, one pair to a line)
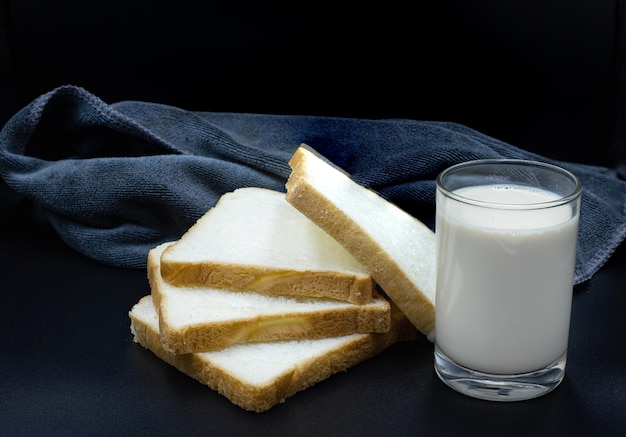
117, 179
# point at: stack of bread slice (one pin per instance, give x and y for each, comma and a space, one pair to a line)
269, 293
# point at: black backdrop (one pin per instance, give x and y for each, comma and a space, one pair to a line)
537, 74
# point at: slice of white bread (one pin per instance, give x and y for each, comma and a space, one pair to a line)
254, 240
200, 318
396, 249
257, 376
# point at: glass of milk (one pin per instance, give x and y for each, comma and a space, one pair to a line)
506, 246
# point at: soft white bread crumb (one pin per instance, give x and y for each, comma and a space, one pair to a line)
200, 318
257, 376
253, 239
396, 249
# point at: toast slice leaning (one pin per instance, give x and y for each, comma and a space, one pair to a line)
396, 249
258, 376
254, 240
200, 318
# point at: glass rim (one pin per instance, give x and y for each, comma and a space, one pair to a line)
562, 200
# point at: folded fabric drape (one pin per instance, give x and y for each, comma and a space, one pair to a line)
117, 179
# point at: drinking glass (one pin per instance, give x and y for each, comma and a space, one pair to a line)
506, 248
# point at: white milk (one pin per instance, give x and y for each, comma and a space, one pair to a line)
504, 280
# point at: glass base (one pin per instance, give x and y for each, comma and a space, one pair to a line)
504, 388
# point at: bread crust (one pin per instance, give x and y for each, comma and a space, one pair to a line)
272, 281
381, 265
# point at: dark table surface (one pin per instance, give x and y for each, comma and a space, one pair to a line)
69, 366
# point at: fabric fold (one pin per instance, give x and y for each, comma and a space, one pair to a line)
118, 179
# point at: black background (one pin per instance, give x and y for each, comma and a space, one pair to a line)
537, 74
